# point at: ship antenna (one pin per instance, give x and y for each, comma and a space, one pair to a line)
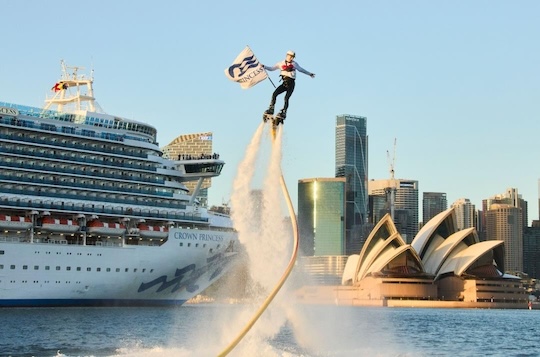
92, 70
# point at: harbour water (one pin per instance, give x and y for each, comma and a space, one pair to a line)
205, 329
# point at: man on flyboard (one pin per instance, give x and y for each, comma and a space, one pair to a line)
288, 69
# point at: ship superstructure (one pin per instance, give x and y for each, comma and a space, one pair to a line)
92, 214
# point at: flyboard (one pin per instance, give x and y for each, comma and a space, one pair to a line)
276, 120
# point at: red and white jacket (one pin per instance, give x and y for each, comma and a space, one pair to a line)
288, 69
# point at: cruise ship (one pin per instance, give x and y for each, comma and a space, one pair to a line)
93, 214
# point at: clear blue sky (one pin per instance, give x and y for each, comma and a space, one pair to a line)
456, 82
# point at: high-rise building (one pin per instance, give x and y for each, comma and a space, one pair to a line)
321, 216
405, 206
352, 164
193, 147
433, 203
504, 222
465, 213
512, 198
531, 250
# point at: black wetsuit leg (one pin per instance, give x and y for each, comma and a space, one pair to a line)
280, 89
289, 84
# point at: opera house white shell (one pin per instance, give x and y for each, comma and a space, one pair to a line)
441, 264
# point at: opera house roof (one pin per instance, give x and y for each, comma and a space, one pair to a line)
438, 250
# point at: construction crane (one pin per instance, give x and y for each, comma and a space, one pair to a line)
392, 183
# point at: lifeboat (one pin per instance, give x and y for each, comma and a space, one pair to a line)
105, 228
15, 222
147, 231
61, 225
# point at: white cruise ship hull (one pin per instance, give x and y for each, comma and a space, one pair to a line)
94, 212
40, 274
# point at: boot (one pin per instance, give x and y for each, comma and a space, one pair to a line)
282, 114
270, 110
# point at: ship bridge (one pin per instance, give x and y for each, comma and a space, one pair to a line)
203, 168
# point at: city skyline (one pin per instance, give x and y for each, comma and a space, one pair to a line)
457, 84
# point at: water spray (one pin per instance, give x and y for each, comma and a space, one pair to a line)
292, 260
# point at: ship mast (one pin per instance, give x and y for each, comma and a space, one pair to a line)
68, 91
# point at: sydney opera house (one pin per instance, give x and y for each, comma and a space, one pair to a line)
442, 267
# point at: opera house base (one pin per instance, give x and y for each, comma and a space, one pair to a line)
355, 296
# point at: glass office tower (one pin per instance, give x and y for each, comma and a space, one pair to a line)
352, 164
433, 203
321, 216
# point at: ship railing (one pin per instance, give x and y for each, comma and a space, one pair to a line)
57, 241
80, 171
106, 244
123, 200
94, 208
12, 239
100, 161
55, 181
83, 132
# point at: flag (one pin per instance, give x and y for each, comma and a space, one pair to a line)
58, 86
246, 69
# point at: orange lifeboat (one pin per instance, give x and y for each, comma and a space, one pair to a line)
106, 228
15, 222
61, 225
147, 231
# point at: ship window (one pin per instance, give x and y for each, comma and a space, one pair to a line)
12, 267
1, 266
78, 268
57, 267
127, 269
144, 270
1, 252
25, 267
151, 270
98, 269
135, 270
117, 270
68, 268
47, 267
189, 244
36, 267
88, 269
108, 269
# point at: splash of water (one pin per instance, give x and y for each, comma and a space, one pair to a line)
259, 221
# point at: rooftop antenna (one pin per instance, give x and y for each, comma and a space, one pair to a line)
392, 183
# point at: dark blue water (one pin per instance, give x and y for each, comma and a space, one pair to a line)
204, 330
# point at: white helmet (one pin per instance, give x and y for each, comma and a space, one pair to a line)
291, 53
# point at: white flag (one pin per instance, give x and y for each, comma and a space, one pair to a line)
246, 69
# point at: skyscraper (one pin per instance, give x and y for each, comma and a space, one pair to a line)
531, 250
504, 222
321, 216
433, 203
512, 198
506, 218
465, 213
352, 164
406, 210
